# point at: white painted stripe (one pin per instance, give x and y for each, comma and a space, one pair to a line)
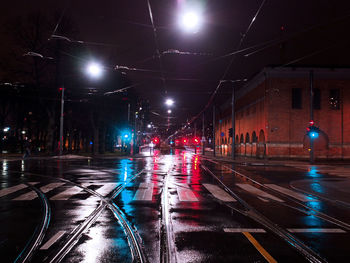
65, 195
258, 192
52, 240
47, 188
26, 197
106, 189
12, 189
144, 193
186, 195
299, 196
219, 193
316, 230
240, 230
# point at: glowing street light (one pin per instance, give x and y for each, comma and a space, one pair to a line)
94, 70
169, 102
190, 21
169, 111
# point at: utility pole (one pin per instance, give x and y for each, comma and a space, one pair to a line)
61, 121
203, 136
233, 119
311, 115
214, 130
128, 113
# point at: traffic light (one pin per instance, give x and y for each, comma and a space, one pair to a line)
155, 140
196, 140
313, 131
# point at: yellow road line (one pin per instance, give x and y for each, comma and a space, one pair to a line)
261, 250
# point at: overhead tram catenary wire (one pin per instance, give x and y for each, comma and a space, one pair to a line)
157, 45
229, 65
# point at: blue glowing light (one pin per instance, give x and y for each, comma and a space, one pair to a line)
313, 135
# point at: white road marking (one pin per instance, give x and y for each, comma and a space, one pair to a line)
26, 197
316, 230
106, 188
258, 192
186, 195
145, 192
12, 189
47, 188
32, 195
219, 193
52, 240
65, 195
240, 230
299, 196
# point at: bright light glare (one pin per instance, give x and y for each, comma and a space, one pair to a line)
149, 126
169, 111
169, 102
94, 70
6, 129
190, 21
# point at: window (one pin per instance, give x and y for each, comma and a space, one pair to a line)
296, 98
334, 99
317, 99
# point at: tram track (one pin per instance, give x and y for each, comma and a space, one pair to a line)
249, 211
134, 240
40, 231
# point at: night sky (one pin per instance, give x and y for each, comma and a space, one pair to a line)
120, 33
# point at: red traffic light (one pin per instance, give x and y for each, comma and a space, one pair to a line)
196, 140
155, 140
184, 141
311, 122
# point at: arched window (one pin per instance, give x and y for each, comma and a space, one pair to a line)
247, 139
261, 136
242, 139
254, 138
237, 139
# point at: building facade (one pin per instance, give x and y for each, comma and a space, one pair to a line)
272, 113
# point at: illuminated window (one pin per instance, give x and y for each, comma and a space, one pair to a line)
334, 99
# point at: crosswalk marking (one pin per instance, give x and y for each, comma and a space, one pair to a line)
52, 240
106, 188
47, 188
258, 192
144, 193
27, 196
296, 195
65, 195
12, 189
219, 193
186, 195
32, 195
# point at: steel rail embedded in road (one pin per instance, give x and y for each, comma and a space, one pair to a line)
250, 212
313, 212
134, 244
40, 231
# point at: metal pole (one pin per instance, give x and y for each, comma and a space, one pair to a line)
311, 115
61, 121
128, 113
203, 136
233, 122
214, 130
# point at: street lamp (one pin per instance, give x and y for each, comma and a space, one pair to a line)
190, 21
94, 70
169, 111
169, 102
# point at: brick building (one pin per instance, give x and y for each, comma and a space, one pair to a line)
273, 112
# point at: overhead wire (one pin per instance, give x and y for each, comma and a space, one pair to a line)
158, 54
230, 63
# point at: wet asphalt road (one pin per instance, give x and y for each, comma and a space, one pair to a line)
178, 208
